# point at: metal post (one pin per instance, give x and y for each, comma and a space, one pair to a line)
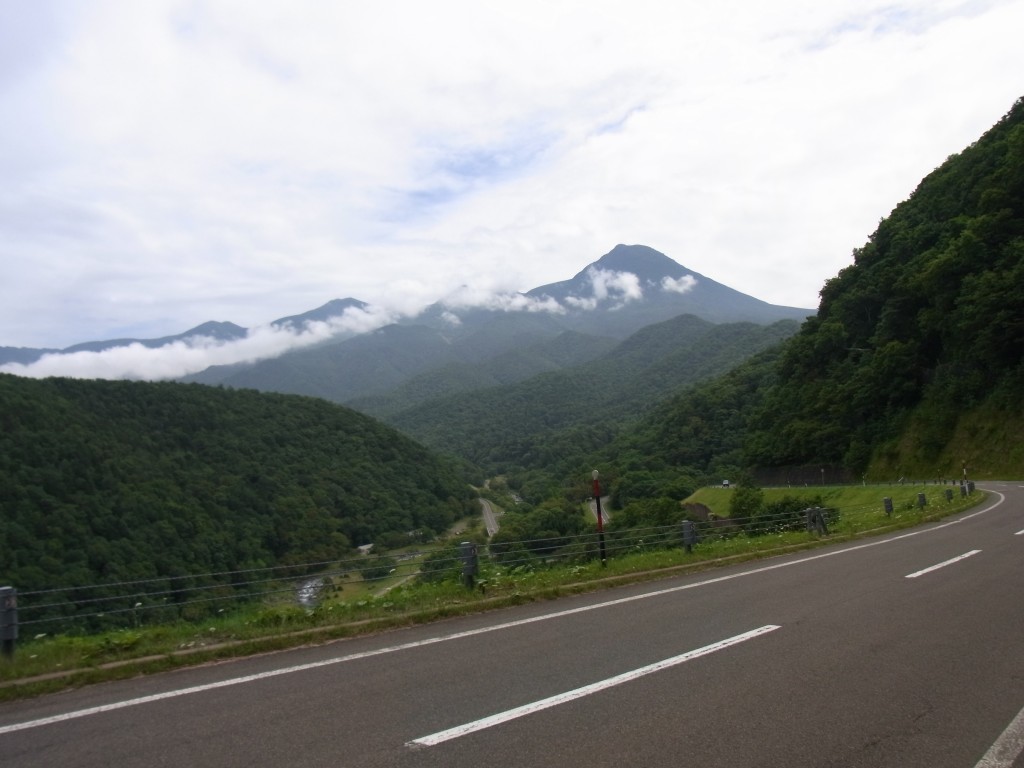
816, 521
470, 563
600, 516
8, 620
689, 535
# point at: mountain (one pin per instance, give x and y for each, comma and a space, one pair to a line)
565, 350
218, 331
331, 310
451, 348
556, 418
663, 289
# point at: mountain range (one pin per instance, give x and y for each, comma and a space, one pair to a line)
468, 343
457, 347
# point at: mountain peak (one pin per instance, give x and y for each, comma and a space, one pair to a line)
333, 308
644, 262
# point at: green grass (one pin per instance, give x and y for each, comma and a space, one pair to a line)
854, 498
49, 663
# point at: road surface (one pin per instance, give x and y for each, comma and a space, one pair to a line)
490, 518
905, 650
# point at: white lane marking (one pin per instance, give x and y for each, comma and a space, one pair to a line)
1007, 747
470, 633
1019, 533
943, 564
553, 701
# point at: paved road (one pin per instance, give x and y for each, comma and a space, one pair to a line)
490, 518
907, 650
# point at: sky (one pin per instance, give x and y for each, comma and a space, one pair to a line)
169, 162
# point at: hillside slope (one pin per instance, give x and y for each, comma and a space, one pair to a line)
914, 364
926, 324
552, 420
106, 481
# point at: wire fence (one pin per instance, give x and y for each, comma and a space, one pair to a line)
193, 597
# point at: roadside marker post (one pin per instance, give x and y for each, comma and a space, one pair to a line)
8, 620
470, 563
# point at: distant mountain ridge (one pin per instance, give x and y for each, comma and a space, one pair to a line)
216, 330
629, 288
451, 347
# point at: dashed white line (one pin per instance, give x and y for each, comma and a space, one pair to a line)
943, 564
553, 701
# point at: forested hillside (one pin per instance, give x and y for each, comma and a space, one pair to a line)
913, 364
927, 324
105, 481
554, 421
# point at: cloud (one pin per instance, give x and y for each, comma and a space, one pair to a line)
467, 297
608, 285
170, 162
625, 286
684, 284
196, 353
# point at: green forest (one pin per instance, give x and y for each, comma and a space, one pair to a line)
913, 366
105, 481
926, 326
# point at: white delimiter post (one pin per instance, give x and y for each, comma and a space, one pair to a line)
600, 517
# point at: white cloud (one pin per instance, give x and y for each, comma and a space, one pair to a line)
170, 162
623, 286
684, 284
196, 353
482, 298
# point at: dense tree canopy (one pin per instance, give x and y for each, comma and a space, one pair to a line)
103, 480
930, 314
925, 326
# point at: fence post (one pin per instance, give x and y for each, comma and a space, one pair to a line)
816, 521
470, 563
689, 535
8, 620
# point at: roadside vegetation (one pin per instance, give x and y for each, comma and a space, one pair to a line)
48, 662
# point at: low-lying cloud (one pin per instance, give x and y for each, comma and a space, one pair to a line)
610, 288
197, 353
684, 284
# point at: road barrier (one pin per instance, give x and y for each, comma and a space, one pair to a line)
195, 597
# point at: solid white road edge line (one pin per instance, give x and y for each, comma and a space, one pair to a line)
943, 564
1007, 747
561, 698
482, 630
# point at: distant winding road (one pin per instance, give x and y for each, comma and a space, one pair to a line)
902, 651
490, 517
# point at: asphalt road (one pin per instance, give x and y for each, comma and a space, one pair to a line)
490, 518
862, 654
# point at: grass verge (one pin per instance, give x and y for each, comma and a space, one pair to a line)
47, 664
